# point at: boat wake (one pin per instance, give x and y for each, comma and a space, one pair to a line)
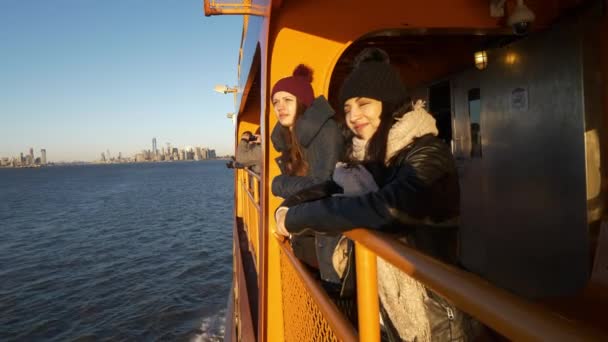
212, 328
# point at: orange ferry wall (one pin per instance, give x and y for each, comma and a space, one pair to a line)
342, 20
254, 41
270, 311
248, 121
316, 32
250, 118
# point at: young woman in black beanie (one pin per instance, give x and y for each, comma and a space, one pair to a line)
399, 178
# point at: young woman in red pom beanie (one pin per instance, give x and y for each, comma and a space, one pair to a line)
310, 143
307, 136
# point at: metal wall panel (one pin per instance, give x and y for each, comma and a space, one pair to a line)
595, 128
524, 222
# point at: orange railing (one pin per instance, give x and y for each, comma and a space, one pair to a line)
312, 315
243, 322
249, 193
510, 315
309, 314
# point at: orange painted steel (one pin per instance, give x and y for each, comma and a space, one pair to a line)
256, 191
292, 37
244, 321
506, 313
367, 294
239, 194
251, 211
308, 313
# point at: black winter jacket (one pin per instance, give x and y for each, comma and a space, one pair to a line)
322, 145
419, 195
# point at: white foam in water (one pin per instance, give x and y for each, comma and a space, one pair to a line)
212, 328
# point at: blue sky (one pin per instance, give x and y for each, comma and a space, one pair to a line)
78, 77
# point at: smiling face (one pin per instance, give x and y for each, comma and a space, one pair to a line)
363, 116
285, 106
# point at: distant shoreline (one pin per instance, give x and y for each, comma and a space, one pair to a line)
83, 163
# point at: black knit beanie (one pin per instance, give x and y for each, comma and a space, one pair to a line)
373, 76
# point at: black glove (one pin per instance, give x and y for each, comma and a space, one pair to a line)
312, 193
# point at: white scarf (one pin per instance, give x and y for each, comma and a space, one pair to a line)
410, 126
403, 297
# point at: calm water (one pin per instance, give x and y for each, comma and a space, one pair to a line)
115, 252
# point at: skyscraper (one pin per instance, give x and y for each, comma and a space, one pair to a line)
154, 151
31, 157
43, 156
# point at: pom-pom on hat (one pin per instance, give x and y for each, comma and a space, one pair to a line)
373, 76
298, 84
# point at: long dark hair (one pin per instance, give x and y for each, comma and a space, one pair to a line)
376, 146
293, 158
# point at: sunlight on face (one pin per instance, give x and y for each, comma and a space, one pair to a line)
285, 105
363, 116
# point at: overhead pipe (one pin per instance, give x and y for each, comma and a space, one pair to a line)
211, 7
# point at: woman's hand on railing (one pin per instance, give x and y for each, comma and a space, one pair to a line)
279, 215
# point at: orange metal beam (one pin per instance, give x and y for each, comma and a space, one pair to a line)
504, 312
367, 294
252, 198
252, 217
210, 7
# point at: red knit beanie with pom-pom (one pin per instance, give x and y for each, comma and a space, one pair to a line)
298, 85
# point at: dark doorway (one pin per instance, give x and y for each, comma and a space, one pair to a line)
475, 120
440, 105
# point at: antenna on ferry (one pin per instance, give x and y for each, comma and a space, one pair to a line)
231, 116
224, 89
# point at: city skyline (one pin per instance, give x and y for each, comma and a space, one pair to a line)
30, 159
25, 160
92, 76
171, 153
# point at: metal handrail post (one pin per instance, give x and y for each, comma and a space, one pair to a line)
367, 294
